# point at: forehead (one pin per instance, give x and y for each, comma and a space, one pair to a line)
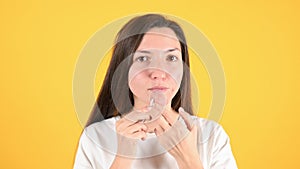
159, 38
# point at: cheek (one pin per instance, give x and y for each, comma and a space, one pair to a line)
174, 89
175, 81
137, 85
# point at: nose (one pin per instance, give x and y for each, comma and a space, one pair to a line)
157, 74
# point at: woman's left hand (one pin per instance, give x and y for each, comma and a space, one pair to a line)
180, 140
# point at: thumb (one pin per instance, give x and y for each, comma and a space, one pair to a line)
186, 117
194, 130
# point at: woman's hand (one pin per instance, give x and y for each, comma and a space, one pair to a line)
128, 133
179, 139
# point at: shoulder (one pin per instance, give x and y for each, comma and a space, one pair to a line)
107, 123
209, 129
206, 124
217, 142
97, 140
100, 131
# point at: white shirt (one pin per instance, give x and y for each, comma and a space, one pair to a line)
98, 145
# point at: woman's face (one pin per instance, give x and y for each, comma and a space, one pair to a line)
157, 67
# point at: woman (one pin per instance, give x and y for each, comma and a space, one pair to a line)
143, 116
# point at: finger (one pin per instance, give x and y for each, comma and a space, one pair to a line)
124, 128
158, 131
135, 128
154, 112
127, 121
174, 136
123, 124
168, 118
119, 122
138, 115
164, 124
194, 130
186, 117
146, 109
139, 135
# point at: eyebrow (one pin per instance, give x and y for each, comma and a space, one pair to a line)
149, 51
171, 50
143, 51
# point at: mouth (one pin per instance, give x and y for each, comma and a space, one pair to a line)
158, 88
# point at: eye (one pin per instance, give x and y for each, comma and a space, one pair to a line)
142, 59
172, 58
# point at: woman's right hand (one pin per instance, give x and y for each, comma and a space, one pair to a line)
128, 133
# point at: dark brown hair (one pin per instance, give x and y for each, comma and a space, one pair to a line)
110, 104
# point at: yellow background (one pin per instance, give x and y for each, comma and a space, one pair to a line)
257, 41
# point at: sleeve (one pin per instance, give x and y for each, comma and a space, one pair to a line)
222, 155
84, 154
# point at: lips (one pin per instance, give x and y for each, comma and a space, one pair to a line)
158, 88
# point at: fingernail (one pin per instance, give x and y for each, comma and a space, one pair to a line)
181, 110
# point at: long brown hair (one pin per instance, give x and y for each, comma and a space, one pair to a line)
110, 104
